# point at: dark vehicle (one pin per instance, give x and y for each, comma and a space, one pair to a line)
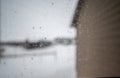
64, 41
40, 44
28, 45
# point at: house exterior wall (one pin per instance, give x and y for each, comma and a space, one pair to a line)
98, 39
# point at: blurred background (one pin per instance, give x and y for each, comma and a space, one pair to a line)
37, 39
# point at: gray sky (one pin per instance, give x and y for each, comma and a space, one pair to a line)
36, 19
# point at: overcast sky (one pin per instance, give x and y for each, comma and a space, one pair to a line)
36, 19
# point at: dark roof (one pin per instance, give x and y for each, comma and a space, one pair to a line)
77, 13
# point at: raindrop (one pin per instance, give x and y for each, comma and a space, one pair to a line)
4, 63
40, 27
15, 11
25, 68
31, 73
22, 74
45, 38
52, 3
31, 58
33, 28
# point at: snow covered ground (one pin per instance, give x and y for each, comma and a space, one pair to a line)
53, 62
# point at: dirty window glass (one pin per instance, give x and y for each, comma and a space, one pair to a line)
37, 39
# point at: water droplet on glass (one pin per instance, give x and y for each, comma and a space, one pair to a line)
15, 11
52, 3
31, 58
33, 28
25, 68
4, 63
45, 38
40, 27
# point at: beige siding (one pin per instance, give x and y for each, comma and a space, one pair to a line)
98, 40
